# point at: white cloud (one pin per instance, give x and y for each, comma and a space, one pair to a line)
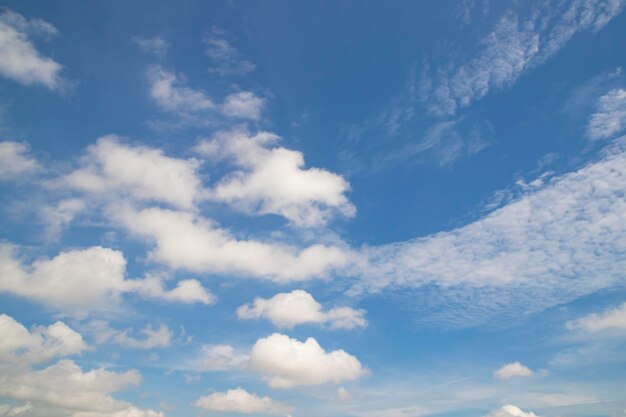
15, 161
219, 358
156, 46
227, 59
78, 281
19, 59
512, 370
287, 310
511, 411
186, 291
612, 319
273, 180
243, 105
240, 401
152, 337
60, 215
288, 362
343, 395
172, 93
111, 168
186, 241
18, 344
64, 389
610, 116
513, 47
556, 243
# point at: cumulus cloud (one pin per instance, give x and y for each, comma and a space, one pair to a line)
61, 389
287, 362
152, 337
19, 59
555, 243
512, 370
287, 310
220, 358
172, 94
273, 180
65, 389
18, 344
226, 58
59, 215
514, 46
186, 241
511, 411
241, 401
15, 161
112, 169
610, 116
243, 105
77, 281
612, 319
187, 291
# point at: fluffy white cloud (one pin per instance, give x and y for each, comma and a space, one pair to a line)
241, 401
152, 337
63, 389
184, 240
186, 291
60, 215
244, 105
614, 318
513, 47
77, 281
111, 168
15, 161
610, 116
172, 94
511, 370
287, 310
559, 241
273, 180
288, 362
219, 358
511, 411
18, 344
19, 59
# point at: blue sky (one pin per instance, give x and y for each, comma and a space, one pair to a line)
341, 209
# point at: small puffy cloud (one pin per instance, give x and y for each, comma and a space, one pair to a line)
15, 161
156, 46
241, 401
81, 280
19, 59
512, 370
273, 180
187, 291
287, 310
152, 337
172, 94
220, 358
18, 344
511, 411
111, 168
288, 362
612, 319
243, 105
186, 241
610, 116
65, 389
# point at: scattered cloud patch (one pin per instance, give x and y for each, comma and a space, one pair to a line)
287, 310
15, 162
511, 411
288, 362
612, 319
610, 116
227, 59
152, 337
156, 46
243, 105
241, 401
19, 58
220, 358
273, 180
512, 370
